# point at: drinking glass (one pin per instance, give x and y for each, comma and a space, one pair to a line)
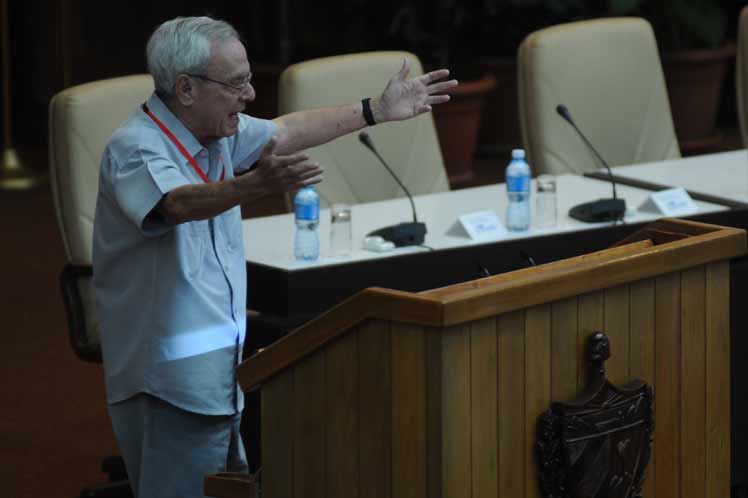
340, 230
545, 201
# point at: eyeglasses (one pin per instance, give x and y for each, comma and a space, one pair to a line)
240, 86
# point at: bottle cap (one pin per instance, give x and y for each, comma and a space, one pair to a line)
518, 153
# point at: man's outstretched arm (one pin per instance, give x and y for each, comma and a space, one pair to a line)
403, 98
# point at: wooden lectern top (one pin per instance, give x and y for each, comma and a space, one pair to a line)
662, 247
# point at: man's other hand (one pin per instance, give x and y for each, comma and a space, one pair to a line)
285, 173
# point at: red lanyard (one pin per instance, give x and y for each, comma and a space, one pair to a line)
181, 148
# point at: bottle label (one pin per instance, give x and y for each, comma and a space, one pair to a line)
309, 212
520, 183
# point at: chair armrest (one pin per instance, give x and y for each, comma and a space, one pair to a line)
231, 485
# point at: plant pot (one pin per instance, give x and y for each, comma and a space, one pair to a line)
457, 123
694, 83
499, 128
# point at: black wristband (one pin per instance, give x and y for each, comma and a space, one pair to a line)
368, 116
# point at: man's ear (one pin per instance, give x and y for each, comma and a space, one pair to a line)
185, 90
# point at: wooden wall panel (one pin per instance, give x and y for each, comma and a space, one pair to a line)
564, 373
408, 411
591, 317
537, 385
456, 408
642, 350
375, 410
667, 386
310, 424
717, 359
616, 327
277, 429
484, 404
511, 358
341, 434
693, 383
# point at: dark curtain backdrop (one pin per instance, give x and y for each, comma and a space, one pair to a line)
56, 43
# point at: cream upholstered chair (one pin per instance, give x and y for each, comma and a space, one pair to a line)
607, 72
351, 173
741, 74
81, 120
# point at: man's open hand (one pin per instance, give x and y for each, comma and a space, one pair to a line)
405, 98
285, 173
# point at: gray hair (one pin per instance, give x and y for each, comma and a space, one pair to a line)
182, 45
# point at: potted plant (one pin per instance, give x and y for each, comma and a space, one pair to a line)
439, 34
691, 38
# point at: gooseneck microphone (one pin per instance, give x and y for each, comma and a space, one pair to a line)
601, 209
402, 234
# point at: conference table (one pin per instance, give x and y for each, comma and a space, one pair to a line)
280, 285
720, 177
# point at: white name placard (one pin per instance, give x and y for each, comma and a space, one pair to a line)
670, 202
482, 225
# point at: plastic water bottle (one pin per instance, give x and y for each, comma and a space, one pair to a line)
306, 207
518, 191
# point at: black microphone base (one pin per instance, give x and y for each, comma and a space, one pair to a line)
403, 234
599, 210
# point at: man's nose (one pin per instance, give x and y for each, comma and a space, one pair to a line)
248, 94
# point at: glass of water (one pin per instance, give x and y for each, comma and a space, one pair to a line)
545, 201
340, 230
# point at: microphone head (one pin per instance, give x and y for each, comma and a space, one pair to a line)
364, 138
563, 112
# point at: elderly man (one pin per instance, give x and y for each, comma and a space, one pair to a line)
169, 271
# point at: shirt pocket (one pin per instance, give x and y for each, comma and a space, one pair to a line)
195, 243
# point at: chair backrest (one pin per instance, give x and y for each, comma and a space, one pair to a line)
741, 74
351, 173
607, 72
81, 121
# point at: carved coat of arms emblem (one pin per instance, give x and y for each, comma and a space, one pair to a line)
597, 446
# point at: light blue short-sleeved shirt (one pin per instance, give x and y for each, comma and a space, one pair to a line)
171, 299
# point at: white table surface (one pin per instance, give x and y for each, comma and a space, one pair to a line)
269, 240
724, 174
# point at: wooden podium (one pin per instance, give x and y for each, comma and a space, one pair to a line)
437, 394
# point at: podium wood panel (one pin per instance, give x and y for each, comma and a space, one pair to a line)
693, 383
718, 380
616, 326
409, 469
456, 405
511, 329
667, 386
309, 423
341, 449
277, 426
485, 387
642, 360
376, 409
564, 373
537, 384
396, 403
